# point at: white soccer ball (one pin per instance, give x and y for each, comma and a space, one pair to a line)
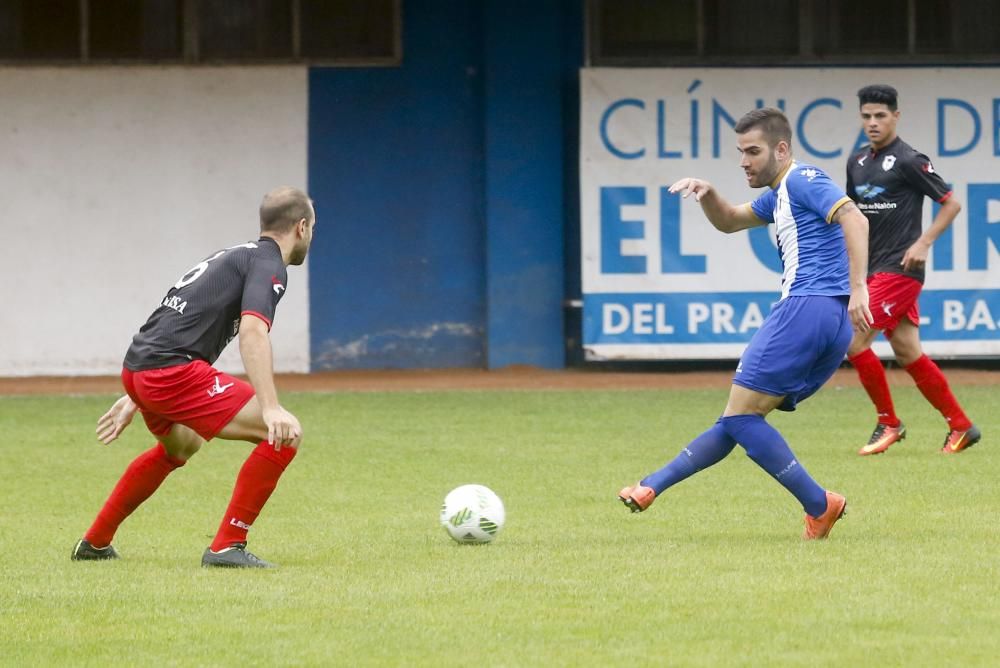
472, 514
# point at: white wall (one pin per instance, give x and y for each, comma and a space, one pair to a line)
115, 181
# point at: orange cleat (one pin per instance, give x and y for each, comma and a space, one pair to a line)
882, 438
956, 441
820, 527
637, 497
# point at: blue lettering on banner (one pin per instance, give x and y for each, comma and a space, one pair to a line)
688, 317
672, 261
733, 317
959, 315
614, 229
765, 248
614, 150
984, 233
718, 112
949, 112
860, 142
981, 228
800, 127
942, 105
661, 133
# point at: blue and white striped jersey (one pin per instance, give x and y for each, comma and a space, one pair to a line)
813, 252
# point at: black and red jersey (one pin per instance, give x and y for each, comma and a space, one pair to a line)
201, 313
889, 187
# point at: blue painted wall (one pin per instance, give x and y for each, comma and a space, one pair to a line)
440, 192
524, 183
395, 168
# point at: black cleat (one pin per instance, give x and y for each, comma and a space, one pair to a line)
84, 551
234, 556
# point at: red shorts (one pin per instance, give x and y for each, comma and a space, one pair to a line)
891, 297
194, 394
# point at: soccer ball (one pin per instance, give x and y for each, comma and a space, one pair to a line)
472, 514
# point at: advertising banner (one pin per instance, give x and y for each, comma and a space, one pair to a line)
660, 282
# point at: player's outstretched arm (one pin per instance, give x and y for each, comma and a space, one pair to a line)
113, 423
724, 216
283, 428
855, 227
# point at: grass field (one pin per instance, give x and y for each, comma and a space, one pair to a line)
715, 574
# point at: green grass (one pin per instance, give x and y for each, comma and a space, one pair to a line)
714, 574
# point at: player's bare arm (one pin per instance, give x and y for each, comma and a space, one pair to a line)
283, 428
113, 423
724, 216
855, 227
915, 257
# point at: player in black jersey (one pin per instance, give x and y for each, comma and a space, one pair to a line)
168, 377
888, 180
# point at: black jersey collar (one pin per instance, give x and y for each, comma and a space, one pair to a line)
887, 147
271, 241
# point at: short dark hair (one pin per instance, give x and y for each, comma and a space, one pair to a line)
772, 122
878, 94
282, 208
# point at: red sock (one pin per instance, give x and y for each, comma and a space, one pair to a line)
137, 484
257, 479
934, 386
872, 376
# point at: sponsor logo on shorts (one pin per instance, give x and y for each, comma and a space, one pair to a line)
887, 307
219, 389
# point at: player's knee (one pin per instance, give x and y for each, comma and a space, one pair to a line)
906, 352
184, 450
855, 349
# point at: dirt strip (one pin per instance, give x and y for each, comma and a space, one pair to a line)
519, 378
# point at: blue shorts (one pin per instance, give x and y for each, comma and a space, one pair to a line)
799, 346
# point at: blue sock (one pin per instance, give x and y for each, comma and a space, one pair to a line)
766, 447
709, 448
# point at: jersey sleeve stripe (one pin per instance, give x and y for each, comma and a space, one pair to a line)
946, 197
833, 209
254, 313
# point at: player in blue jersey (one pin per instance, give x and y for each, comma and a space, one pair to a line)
823, 243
